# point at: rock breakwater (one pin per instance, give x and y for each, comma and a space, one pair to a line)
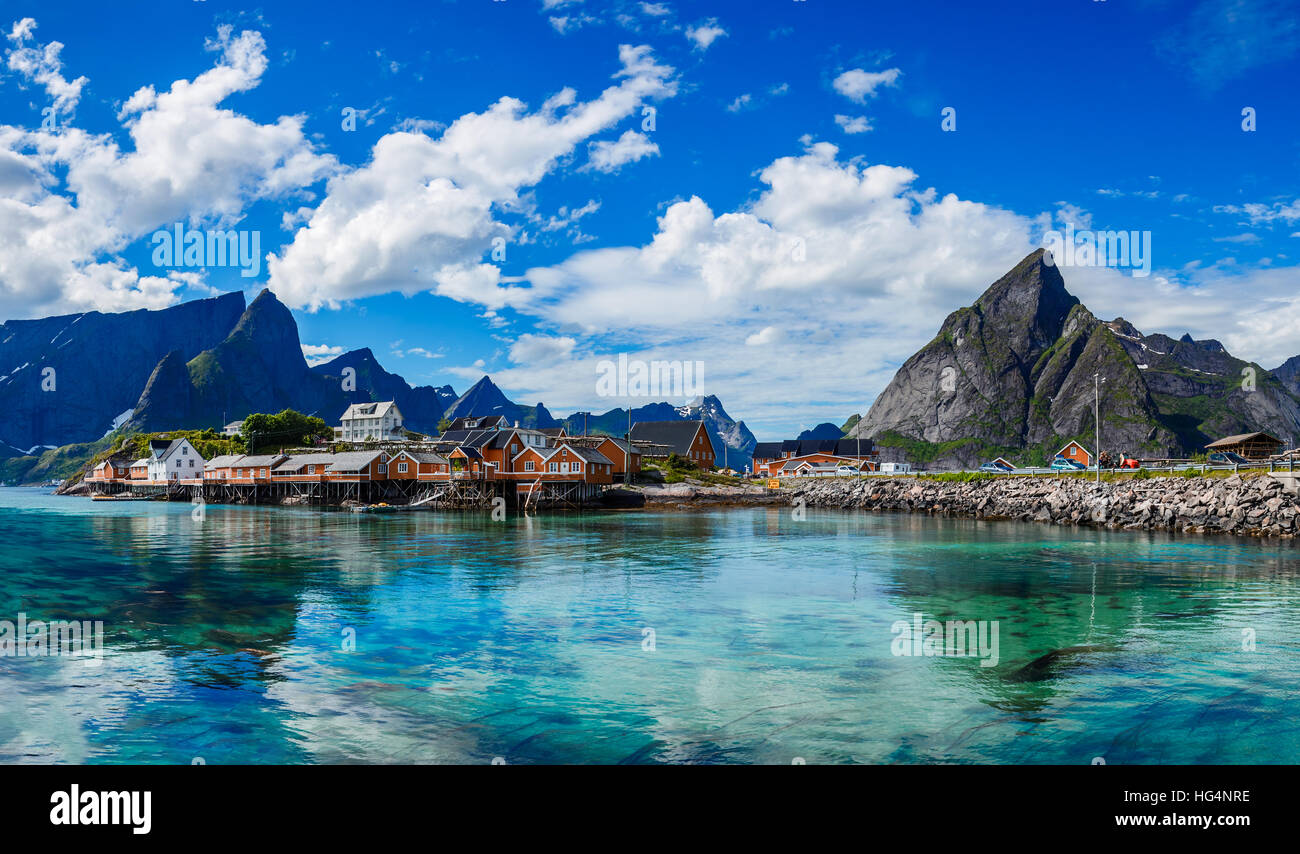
1250, 505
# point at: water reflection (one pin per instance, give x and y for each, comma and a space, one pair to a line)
527, 639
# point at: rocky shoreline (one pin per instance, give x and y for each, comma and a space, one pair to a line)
1249, 505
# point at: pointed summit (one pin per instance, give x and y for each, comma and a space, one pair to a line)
1029, 303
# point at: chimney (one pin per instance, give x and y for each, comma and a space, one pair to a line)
516, 425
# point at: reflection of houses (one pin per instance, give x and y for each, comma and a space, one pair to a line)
773, 459
1252, 446
687, 439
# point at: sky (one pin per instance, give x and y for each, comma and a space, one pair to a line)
791, 194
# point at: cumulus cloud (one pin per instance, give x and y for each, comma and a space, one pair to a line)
705, 34
319, 354
72, 201
840, 265
853, 124
423, 212
607, 156
858, 85
42, 66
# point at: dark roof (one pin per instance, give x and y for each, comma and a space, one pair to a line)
621, 444
677, 435
483, 422
551, 431
767, 450
849, 447
422, 457
591, 455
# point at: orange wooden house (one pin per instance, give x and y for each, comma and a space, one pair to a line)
562, 463
415, 465
358, 467
623, 455
254, 470
1075, 451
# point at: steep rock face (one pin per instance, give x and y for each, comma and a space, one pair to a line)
1288, 373
1015, 370
485, 398
1204, 393
733, 443
259, 367
422, 406
168, 396
100, 364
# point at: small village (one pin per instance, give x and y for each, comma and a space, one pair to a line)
474, 461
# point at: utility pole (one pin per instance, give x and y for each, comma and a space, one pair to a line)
1096, 417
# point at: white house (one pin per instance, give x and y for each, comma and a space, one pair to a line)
174, 459
381, 421
233, 428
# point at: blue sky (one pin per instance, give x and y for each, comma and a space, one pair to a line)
795, 218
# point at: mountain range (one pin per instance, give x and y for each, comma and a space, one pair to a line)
204, 363
1013, 375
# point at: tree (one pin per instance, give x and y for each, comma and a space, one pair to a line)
444, 425
284, 428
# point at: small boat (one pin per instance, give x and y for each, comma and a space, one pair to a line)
375, 508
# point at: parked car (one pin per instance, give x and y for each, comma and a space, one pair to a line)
1066, 464
846, 471
1227, 458
995, 468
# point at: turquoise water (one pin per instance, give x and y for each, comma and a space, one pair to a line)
525, 641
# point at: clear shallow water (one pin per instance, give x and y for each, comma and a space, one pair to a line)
524, 639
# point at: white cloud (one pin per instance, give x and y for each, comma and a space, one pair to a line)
1263, 214
189, 160
705, 34
607, 156
858, 85
421, 214
534, 349
853, 124
840, 266
319, 354
42, 66
741, 102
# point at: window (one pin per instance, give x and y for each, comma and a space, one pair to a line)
401, 468
554, 467
577, 468
191, 463
311, 469
184, 450
263, 473
514, 448
383, 469
529, 465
